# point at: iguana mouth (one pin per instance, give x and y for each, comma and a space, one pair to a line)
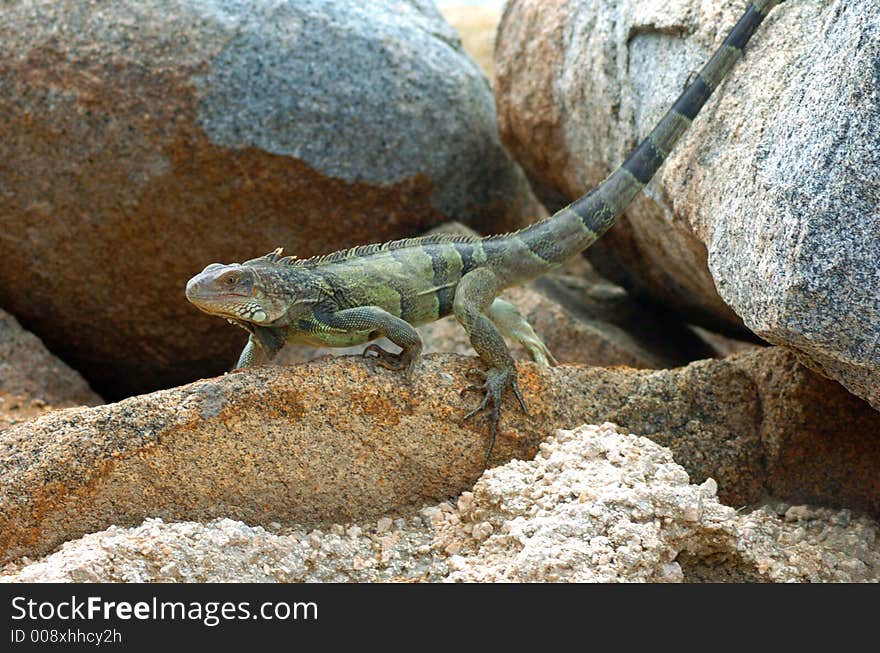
247, 326
232, 294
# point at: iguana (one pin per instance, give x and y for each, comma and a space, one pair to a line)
385, 289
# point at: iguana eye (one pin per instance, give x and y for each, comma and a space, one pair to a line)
231, 279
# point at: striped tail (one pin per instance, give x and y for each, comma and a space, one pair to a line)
578, 225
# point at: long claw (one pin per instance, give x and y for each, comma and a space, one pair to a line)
480, 407
496, 381
370, 349
522, 402
472, 387
396, 362
493, 431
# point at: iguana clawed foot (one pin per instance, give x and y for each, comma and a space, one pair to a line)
405, 360
496, 381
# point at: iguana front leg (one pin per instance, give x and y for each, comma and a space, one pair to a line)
262, 346
379, 322
252, 355
473, 298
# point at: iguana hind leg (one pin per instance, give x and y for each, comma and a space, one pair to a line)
514, 326
473, 298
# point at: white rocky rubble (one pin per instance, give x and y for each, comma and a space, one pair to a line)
595, 505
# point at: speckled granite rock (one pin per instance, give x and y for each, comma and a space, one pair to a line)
594, 505
141, 140
773, 197
331, 441
32, 380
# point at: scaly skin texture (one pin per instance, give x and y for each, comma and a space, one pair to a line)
358, 295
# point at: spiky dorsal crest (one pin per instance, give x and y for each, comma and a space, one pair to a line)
275, 258
272, 258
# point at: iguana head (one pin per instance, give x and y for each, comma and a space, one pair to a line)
238, 292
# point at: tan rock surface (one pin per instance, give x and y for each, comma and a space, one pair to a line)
331, 441
32, 380
594, 505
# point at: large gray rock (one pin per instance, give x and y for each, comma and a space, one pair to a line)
769, 207
143, 139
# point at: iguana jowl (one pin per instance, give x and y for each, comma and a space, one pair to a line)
361, 294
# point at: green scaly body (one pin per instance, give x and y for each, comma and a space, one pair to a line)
358, 295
